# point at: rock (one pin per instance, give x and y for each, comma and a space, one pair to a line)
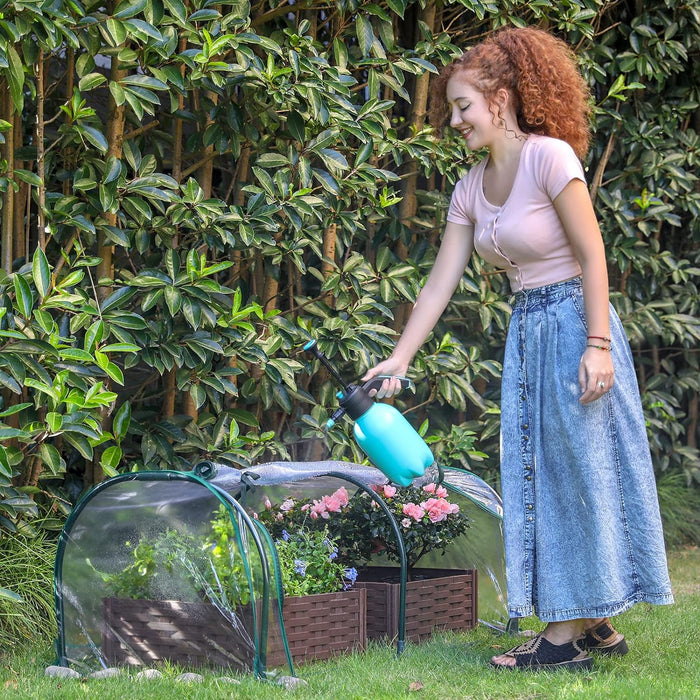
61, 672
291, 682
148, 675
107, 673
189, 678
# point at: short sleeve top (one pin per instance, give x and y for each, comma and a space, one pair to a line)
524, 235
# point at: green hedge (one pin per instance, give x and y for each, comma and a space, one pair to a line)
191, 190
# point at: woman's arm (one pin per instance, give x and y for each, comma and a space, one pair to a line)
575, 210
451, 261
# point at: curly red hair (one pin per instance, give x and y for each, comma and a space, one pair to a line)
539, 70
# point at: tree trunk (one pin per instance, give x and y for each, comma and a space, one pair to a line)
115, 139
39, 140
409, 205
21, 226
7, 110
330, 240
169, 378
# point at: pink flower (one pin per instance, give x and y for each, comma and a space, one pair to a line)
437, 509
439, 491
342, 495
389, 491
313, 515
413, 511
287, 505
267, 503
319, 509
332, 503
406, 522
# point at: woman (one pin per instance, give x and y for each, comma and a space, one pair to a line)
582, 530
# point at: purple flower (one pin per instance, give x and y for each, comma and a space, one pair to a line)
300, 567
351, 574
285, 536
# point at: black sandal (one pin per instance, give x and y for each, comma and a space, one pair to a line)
538, 654
604, 639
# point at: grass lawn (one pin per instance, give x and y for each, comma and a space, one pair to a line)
663, 663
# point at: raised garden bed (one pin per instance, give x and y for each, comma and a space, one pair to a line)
150, 632
435, 599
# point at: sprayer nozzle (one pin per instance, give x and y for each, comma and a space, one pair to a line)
330, 423
313, 347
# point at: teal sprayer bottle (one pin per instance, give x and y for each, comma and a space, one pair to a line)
384, 435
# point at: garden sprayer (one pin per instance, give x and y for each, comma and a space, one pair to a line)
384, 435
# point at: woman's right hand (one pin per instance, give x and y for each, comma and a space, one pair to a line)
392, 368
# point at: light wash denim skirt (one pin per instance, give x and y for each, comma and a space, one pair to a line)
583, 535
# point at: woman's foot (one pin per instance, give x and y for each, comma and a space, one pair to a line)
556, 647
539, 654
602, 637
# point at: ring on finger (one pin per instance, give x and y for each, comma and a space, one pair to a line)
601, 385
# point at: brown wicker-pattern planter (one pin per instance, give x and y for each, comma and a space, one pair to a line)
435, 599
320, 626
144, 632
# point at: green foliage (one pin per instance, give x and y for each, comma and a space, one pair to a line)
174, 565
26, 593
219, 183
360, 528
157, 568
227, 571
309, 564
680, 509
427, 520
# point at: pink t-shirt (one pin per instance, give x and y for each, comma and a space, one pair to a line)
524, 236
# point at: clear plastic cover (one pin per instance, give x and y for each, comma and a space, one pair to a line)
170, 566
140, 550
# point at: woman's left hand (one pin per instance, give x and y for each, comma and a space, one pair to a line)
596, 374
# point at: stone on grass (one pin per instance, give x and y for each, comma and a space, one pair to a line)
61, 672
189, 678
107, 673
148, 675
291, 682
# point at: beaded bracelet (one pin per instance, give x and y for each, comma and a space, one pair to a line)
599, 347
599, 337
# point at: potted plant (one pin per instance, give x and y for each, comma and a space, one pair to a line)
428, 521
187, 599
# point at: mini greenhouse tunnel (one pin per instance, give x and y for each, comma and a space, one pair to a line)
191, 568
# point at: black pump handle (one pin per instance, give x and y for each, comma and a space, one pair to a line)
376, 382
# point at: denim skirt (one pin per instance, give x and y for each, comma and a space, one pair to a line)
583, 535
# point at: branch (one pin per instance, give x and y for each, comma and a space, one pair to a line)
141, 130
602, 164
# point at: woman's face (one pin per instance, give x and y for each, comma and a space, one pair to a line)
470, 113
